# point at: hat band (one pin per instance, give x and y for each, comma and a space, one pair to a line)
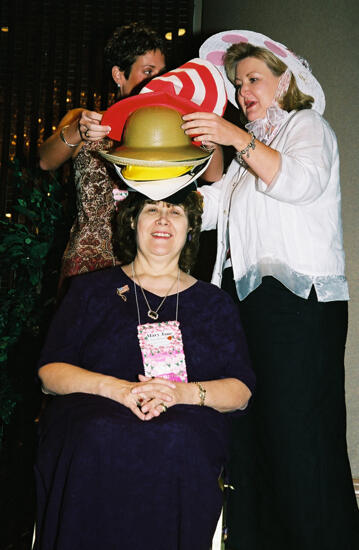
159, 190
148, 173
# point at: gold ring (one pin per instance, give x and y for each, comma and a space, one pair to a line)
87, 133
164, 407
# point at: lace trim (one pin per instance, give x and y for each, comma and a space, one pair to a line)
265, 129
329, 288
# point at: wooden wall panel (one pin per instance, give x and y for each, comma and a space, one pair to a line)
51, 61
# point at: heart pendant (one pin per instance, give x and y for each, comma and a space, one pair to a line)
152, 314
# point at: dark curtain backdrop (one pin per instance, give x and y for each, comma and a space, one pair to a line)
51, 61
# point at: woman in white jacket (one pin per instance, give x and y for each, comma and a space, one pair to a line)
280, 255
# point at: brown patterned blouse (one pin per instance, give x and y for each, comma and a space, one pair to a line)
90, 244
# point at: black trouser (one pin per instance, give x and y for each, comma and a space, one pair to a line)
289, 457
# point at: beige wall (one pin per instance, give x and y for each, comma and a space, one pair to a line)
326, 33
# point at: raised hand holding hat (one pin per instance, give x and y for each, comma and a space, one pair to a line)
196, 85
156, 156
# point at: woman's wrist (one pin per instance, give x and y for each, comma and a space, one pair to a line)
243, 139
201, 394
193, 393
112, 388
70, 134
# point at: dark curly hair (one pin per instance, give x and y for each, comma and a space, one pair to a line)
127, 43
131, 208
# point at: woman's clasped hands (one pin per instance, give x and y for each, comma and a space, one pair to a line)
151, 397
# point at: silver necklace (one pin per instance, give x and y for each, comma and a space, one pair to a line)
153, 313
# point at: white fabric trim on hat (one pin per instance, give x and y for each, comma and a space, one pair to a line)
160, 189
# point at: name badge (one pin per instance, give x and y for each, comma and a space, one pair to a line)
162, 350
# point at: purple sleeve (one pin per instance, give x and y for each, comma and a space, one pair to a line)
214, 339
231, 333
65, 335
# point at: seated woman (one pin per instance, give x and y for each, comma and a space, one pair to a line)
142, 360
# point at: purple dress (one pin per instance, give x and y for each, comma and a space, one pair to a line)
106, 479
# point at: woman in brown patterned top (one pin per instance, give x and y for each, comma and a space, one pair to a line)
135, 53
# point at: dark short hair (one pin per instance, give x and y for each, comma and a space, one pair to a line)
127, 43
125, 236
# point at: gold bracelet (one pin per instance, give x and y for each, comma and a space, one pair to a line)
62, 136
202, 393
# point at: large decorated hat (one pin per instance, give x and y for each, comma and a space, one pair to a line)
155, 156
153, 137
214, 48
195, 86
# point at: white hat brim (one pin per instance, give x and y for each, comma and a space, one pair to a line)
121, 160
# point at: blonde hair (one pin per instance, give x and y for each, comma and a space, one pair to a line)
294, 99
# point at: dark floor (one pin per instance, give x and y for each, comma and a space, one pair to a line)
17, 496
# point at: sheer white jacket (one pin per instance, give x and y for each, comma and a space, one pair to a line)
290, 229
